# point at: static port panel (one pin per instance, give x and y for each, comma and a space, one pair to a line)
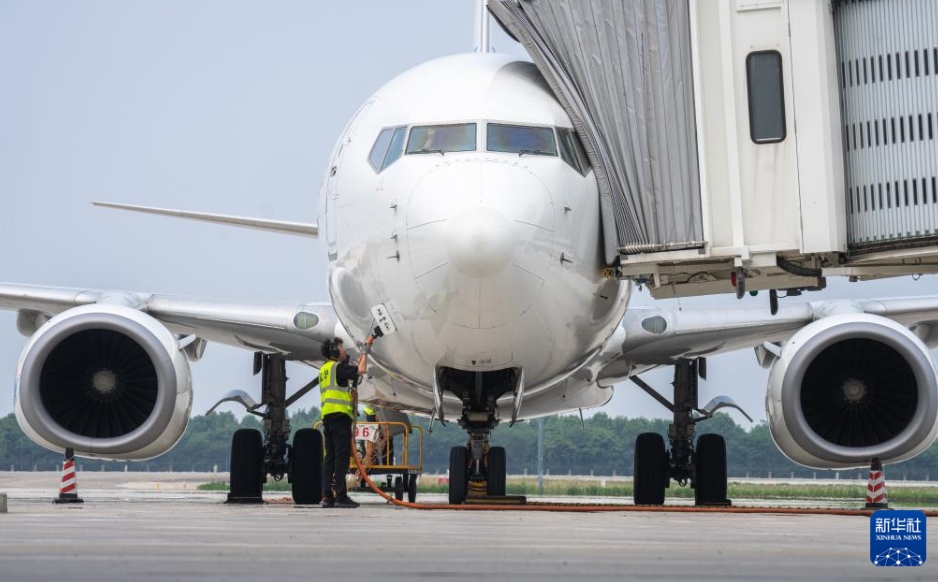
888, 67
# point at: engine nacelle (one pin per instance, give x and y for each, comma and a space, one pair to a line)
106, 380
851, 387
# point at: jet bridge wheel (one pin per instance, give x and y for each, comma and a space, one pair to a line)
458, 475
710, 461
497, 469
306, 466
651, 466
247, 466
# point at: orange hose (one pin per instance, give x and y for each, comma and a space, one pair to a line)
606, 507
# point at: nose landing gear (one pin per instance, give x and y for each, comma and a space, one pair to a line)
477, 471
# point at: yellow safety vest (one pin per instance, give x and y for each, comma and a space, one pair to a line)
369, 411
335, 398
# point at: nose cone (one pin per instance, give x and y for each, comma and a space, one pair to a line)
480, 238
480, 242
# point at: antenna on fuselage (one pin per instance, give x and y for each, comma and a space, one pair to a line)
481, 39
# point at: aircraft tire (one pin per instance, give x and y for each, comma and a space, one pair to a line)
458, 475
247, 460
306, 466
497, 470
710, 458
650, 476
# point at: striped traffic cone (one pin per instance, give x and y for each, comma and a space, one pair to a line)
68, 492
876, 487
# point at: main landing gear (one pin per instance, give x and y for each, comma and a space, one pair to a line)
703, 465
254, 456
478, 470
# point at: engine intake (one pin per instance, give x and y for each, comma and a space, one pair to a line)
851, 387
99, 383
859, 393
106, 380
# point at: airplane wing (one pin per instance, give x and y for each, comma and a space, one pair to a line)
651, 336
654, 337
296, 330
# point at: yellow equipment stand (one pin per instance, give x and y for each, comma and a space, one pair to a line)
401, 478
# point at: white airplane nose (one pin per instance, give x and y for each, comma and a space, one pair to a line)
480, 242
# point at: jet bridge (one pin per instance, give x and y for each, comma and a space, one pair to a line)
750, 144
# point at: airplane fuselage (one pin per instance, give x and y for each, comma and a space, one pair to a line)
456, 198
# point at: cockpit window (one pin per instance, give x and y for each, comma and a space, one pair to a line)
387, 148
380, 149
520, 139
571, 150
397, 147
439, 139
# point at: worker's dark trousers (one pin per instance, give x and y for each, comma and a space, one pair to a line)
337, 433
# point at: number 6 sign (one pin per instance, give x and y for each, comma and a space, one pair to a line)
366, 431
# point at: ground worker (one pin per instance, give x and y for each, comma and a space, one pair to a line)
370, 416
337, 381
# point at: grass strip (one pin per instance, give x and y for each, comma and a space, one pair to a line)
575, 488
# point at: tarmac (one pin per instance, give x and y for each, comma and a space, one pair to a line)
141, 526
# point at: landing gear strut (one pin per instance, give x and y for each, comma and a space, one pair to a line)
703, 465
478, 470
255, 457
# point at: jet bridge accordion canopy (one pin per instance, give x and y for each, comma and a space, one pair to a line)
622, 70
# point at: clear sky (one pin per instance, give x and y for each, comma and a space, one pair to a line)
230, 107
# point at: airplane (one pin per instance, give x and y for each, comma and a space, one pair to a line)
460, 214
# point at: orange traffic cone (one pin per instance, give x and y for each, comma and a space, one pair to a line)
68, 492
876, 487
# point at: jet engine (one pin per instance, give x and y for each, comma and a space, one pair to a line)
851, 387
106, 380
